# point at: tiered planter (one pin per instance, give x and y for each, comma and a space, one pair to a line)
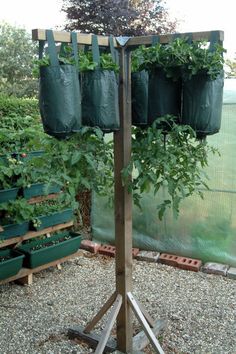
47, 252
11, 265
8, 194
53, 219
39, 189
13, 230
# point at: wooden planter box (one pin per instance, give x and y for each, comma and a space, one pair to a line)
48, 253
53, 219
11, 266
39, 189
8, 194
13, 230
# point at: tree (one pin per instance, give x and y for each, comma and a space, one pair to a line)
118, 17
17, 52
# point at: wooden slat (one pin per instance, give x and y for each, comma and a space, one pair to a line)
91, 338
140, 341
42, 198
63, 36
100, 313
140, 317
24, 272
32, 234
146, 40
110, 323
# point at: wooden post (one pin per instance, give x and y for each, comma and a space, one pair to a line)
123, 208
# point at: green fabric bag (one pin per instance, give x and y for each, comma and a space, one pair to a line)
100, 99
59, 93
164, 95
202, 104
139, 89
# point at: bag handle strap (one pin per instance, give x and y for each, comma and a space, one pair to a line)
52, 48
114, 53
41, 48
95, 50
75, 48
213, 40
155, 39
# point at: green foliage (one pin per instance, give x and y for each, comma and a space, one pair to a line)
179, 58
230, 68
86, 62
203, 60
15, 212
82, 162
18, 108
16, 53
169, 159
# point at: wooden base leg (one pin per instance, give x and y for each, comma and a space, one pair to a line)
27, 280
149, 333
100, 313
110, 322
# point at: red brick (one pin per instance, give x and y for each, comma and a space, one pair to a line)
107, 250
189, 264
90, 246
169, 259
135, 252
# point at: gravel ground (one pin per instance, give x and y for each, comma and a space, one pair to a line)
199, 308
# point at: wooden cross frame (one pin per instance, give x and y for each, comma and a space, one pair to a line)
122, 302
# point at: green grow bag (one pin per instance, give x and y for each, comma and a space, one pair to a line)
36, 257
53, 219
12, 264
202, 104
8, 194
59, 95
100, 100
39, 189
139, 92
164, 96
14, 230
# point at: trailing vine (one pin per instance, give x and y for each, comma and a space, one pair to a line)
168, 156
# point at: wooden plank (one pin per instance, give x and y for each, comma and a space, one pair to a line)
63, 36
24, 272
42, 198
140, 341
100, 313
27, 280
147, 40
110, 323
32, 234
145, 313
91, 338
123, 209
149, 333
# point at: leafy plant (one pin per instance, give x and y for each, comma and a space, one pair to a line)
180, 58
172, 161
15, 212
170, 57
201, 59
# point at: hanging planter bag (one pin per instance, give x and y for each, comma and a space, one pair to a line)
59, 96
139, 90
202, 104
100, 100
164, 95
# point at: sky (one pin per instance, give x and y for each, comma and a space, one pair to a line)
193, 16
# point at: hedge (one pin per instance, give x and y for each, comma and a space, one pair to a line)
18, 106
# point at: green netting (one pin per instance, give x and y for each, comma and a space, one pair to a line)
206, 229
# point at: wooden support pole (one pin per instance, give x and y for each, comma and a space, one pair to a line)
123, 208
